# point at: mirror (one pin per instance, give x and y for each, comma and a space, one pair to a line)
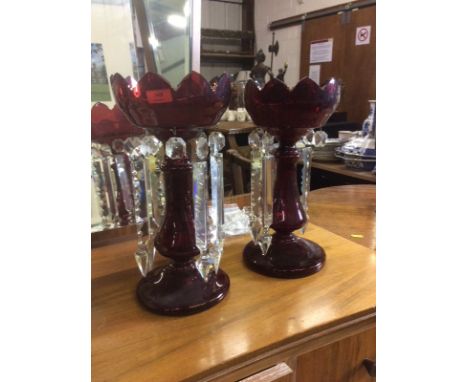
135, 36
169, 37
130, 37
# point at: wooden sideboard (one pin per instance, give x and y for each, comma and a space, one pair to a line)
318, 328
340, 168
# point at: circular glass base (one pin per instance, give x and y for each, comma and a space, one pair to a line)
180, 290
288, 257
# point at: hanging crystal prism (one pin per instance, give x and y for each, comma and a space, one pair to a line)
151, 149
157, 188
261, 187
97, 174
200, 202
109, 169
144, 154
104, 181
123, 176
216, 143
129, 145
306, 154
96, 219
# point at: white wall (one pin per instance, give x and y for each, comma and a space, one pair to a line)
289, 38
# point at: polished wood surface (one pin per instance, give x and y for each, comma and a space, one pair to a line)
277, 373
362, 194
109, 236
341, 361
259, 316
348, 211
340, 168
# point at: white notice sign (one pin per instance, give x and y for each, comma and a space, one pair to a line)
363, 35
314, 73
321, 51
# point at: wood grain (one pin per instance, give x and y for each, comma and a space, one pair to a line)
321, 29
259, 314
354, 64
288, 352
341, 361
360, 66
348, 211
277, 373
262, 322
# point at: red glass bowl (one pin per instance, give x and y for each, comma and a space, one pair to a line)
290, 113
109, 124
153, 104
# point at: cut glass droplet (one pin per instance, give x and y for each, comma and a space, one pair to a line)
150, 145
255, 138
309, 138
118, 145
175, 148
106, 150
265, 243
201, 146
144, 259
320, 137
130, 144
216, 142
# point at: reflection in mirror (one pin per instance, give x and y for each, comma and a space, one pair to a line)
113, 45
168, 35
133, 37
130, 37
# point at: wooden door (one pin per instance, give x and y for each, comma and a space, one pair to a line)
341, 361
354, 64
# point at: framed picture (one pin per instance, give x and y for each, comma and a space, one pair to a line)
100, 90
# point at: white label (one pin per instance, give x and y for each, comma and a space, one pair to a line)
363, 35
314, 73
321, 51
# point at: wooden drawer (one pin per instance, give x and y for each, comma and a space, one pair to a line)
278, 373
336, 355
341, 361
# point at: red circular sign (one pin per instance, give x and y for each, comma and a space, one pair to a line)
363, 34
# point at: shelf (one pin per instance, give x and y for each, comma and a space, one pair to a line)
226, 34
233, 128
226, 56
